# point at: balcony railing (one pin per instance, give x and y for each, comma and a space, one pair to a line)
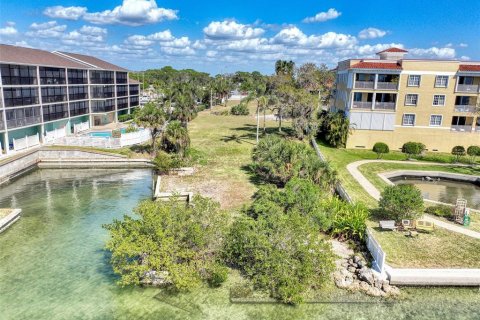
385, 105
362, 105
462, 128
15, 123
364, 84
387, 85
473, 88
464, 108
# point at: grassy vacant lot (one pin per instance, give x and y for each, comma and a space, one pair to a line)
226, 143
438, 249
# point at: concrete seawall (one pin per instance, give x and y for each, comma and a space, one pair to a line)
65, 158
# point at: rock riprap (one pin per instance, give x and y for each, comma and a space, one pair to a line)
353, 274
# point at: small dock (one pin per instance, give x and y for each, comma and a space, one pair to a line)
166, 196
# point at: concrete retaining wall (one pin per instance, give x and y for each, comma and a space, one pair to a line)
432, 174
65, 158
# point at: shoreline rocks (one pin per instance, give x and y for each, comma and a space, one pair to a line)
353, 274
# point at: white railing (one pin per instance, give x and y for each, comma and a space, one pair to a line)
462, 128
55, 134
377, 253
387, 85
79, 127
27, 142
364, 84
126, 139
385, 105
467, 88
361, 105
464, 108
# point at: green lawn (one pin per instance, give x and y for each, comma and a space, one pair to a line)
438, 249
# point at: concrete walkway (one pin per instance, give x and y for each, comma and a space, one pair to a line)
375, 193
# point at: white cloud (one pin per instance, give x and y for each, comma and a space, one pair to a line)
225, 30
371, 50
132, 13
161, 36
463, 45
465, 58
48, 29
86, 35
292, 36
178, 51
433, 52
371, 33
323, 16
9, 29
68, 13
177, 43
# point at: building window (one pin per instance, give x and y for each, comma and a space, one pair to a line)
414, 80
78, 108
20, 96
102, 77
435, 120
439, 100
53, 94
55, 111
77, 76
408, 119
18, 75
102, 91
441, 81
411, 99
134, 89
52, 75
122, 91
121, 77
122, 103
78, 92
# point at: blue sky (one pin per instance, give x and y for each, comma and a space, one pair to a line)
225, 36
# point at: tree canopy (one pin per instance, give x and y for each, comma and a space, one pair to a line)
170, 244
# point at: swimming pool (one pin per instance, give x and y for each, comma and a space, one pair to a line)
105, 134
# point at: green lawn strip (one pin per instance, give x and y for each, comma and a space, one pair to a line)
438, 249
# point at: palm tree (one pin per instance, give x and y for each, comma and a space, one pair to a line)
258, 94
176, 138
152, 116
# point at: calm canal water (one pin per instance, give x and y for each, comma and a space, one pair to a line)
53, 266
447, 191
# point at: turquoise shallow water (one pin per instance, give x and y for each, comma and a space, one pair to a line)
53, 266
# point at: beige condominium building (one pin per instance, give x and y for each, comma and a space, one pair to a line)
396, 100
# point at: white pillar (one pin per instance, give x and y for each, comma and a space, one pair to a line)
5, 142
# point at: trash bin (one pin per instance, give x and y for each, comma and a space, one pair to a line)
466, 220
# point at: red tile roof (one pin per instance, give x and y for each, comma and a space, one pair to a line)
393, 49
469, 67
376, 65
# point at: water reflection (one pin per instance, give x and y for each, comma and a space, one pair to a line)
447, 191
